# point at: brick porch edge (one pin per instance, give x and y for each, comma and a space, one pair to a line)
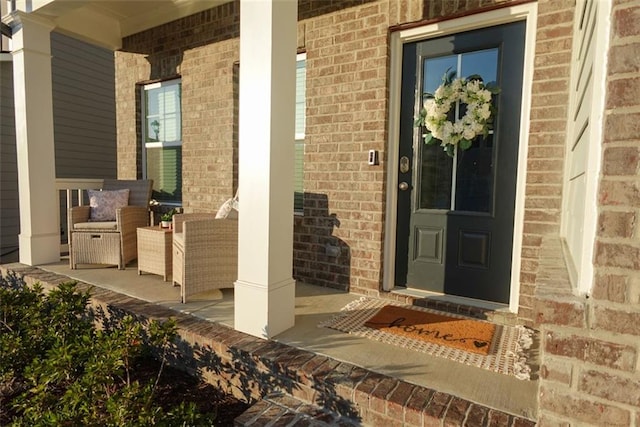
252, 368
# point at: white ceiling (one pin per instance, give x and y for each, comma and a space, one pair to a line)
106, 22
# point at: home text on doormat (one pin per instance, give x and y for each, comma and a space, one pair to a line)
465, 334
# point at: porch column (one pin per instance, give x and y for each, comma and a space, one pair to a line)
39, 238
265, 289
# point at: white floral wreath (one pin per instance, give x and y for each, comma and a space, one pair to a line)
477, 119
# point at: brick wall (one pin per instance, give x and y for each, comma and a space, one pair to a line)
347, 70
444, 9
347, 58
346, 45
590, 373
347, 82
547, 136
202, 50
130, 68
210, 147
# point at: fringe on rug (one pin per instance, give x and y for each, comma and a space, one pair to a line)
522, 370
344, 312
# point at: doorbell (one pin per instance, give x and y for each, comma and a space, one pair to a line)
373, 157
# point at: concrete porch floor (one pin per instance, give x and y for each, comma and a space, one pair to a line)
313, 305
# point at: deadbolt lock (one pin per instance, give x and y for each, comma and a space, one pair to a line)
404, 164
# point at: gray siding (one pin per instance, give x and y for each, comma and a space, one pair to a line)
84, 124
83, 109
9, 214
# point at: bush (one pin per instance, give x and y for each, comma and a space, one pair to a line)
58, 368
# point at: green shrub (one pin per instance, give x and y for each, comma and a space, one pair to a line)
58, 368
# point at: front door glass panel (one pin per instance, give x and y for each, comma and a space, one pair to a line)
435, 166
471, 169
474, 171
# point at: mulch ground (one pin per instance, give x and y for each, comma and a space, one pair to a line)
176, 386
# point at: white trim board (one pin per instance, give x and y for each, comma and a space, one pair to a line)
578, 227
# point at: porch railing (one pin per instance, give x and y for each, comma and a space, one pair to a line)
70, 193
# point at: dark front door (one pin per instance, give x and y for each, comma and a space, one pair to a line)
455, 215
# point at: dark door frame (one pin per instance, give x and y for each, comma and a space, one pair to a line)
526, 12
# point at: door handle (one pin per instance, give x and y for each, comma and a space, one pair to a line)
403, 186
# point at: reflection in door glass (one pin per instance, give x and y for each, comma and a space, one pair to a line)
435, 184
434, 69
474, 172
474, 185
474, 168
435, 166
481, 62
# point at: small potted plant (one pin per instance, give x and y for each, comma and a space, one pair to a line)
166, 218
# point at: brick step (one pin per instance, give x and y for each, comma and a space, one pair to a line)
280, 410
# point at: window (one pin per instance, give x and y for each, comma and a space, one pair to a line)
301, 89
162, 139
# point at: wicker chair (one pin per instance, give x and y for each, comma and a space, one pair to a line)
205, 253
109, 242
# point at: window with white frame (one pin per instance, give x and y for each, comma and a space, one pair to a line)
301, 88
162, 139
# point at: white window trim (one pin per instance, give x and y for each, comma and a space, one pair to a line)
300, 136
152, 86
163, 144
301, 57
143, 117
527, 12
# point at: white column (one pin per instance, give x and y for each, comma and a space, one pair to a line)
265, 289
39, 228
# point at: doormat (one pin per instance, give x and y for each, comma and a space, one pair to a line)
464, 334
497, 348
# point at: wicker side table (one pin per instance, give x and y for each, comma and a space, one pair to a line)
154, 251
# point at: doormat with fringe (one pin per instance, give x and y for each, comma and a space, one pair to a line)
497, 348
464, 334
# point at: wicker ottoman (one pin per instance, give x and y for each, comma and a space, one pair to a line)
96, 248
